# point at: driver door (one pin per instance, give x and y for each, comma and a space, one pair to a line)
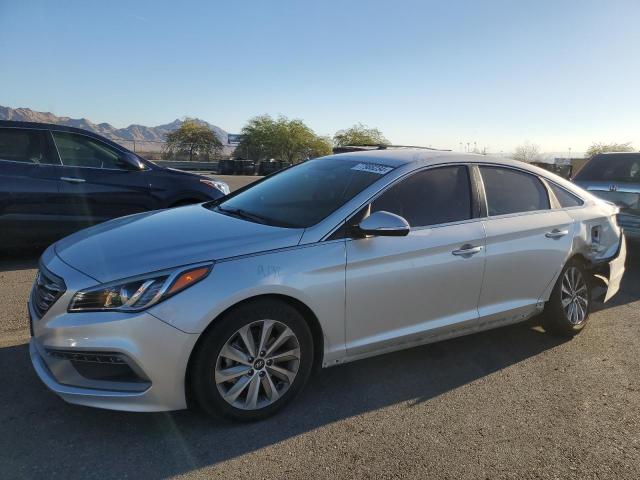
405, 290
96, 185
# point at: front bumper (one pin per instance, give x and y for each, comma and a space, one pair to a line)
156, 352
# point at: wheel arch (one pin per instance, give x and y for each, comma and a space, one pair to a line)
317, 333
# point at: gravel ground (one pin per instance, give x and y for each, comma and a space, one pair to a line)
509, 403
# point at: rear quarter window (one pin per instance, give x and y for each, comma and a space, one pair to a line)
565, 198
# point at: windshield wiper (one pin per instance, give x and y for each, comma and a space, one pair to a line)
238, 212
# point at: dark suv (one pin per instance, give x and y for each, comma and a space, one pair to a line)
55, 180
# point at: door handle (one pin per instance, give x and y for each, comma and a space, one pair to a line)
72, 179
467, 250
556, 233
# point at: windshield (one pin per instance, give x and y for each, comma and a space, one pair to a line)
302, 196
611, 168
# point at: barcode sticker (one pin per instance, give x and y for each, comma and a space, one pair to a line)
372, 168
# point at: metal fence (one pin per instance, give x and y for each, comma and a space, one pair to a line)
155, 150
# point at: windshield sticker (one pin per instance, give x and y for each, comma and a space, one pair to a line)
372, 168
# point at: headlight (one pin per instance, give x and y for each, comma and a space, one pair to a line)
138, 293
223, 187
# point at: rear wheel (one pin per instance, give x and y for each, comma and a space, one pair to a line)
567, 311
255, 360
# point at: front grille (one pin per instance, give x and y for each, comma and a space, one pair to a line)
46, 290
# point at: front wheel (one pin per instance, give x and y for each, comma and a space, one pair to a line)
567, 311
253, 361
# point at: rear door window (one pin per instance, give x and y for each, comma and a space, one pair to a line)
82, 151
24, 145
513, 191
431, 197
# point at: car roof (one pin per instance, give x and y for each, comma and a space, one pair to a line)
419, 157
63, 128
625, 154
395, 157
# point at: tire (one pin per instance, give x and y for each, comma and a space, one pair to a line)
567, 311
227, 380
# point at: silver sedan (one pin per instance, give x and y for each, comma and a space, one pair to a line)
233, 303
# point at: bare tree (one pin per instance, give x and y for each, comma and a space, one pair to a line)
597, 148
527, 152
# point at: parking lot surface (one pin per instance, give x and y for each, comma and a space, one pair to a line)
509, 403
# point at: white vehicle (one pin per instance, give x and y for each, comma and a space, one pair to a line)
232, 303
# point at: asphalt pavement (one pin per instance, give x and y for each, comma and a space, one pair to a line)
509, 403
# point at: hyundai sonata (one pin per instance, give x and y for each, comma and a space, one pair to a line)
232, 303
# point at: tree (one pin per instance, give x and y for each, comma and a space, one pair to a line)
359, 134
527, 152
597, 148
192, 138
291, 140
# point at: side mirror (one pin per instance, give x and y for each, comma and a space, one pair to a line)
131, 161
384, 224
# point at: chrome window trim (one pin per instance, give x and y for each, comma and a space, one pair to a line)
398, 180
31, 163
542, 177
332, 227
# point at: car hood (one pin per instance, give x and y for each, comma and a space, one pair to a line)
162, 239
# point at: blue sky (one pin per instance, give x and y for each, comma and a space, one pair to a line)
561, 74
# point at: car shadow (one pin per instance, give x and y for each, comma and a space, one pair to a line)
12, 259
41, 432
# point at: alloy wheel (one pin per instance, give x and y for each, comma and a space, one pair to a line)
257, 365
574, 296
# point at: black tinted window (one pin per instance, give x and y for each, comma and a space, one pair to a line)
611, 168
438, 195
305, 194
81, 151
565, 198
512, 191
28, 146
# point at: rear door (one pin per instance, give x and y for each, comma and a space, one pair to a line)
29, 185
404, 290
96, 184
527, 243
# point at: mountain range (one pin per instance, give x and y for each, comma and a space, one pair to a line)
140, 137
